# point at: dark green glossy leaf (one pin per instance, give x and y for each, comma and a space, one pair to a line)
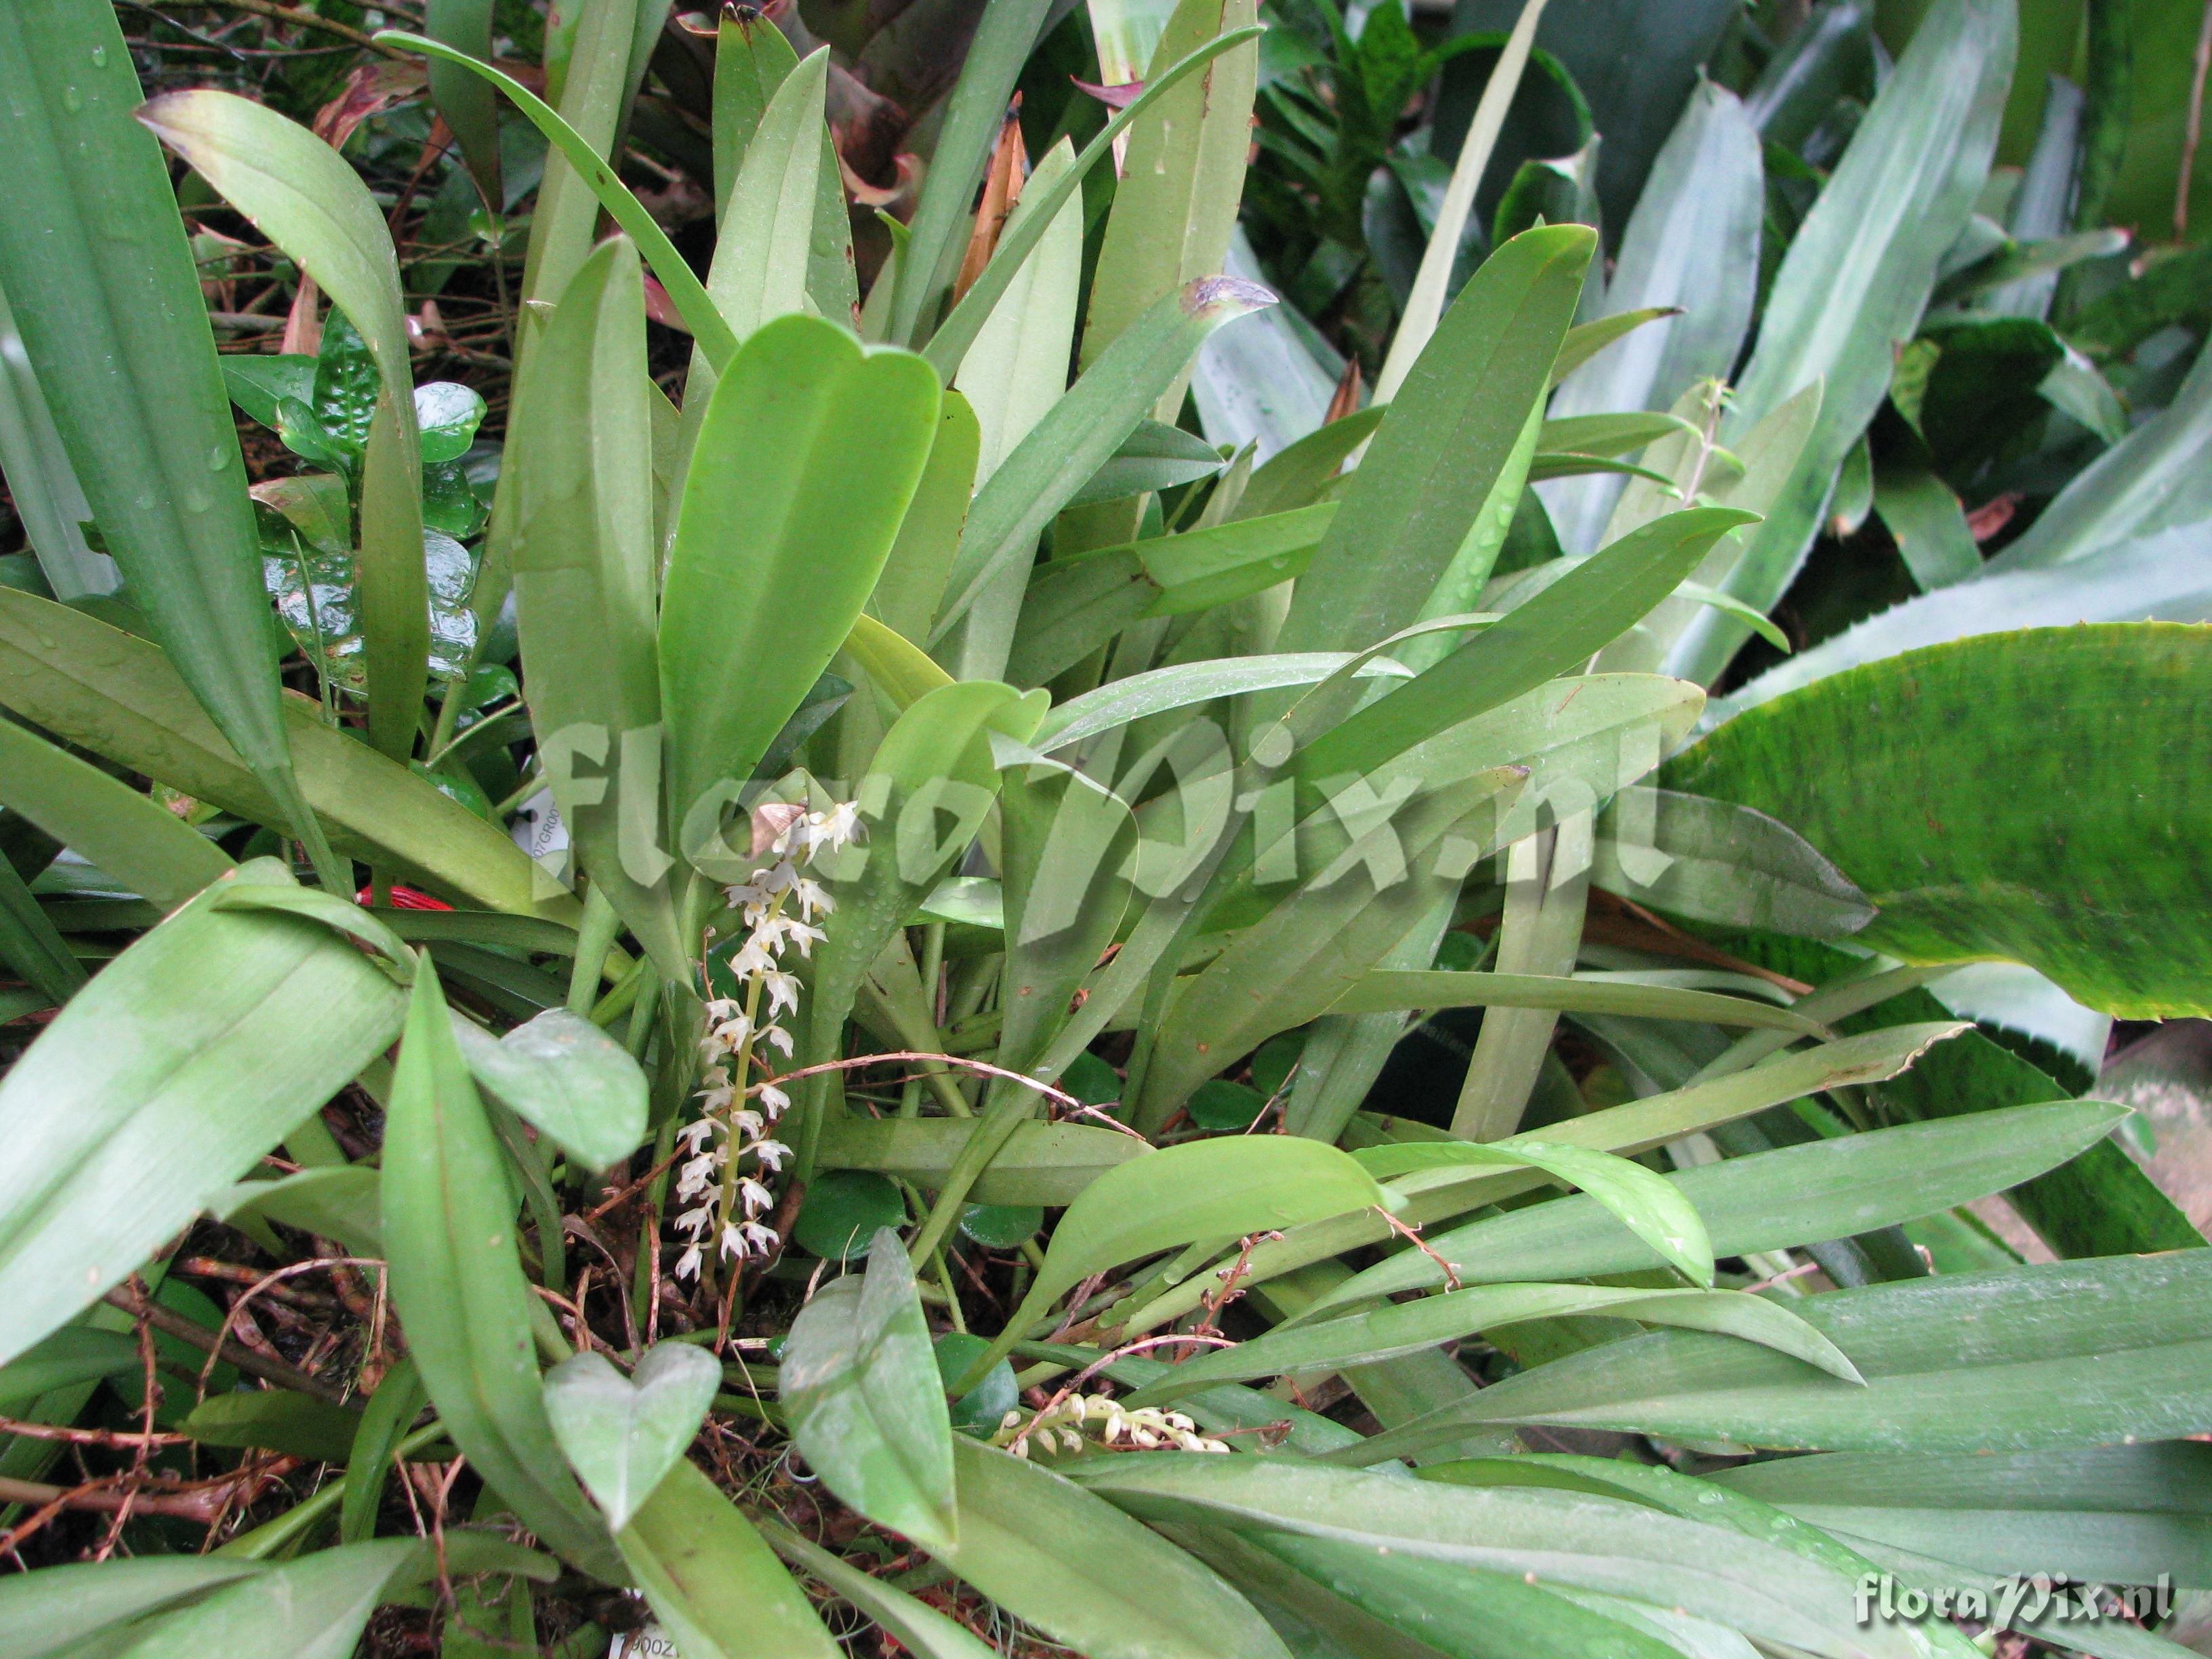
275, 1419
1040, 1164
843, 1211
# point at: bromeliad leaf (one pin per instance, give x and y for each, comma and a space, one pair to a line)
1647, 1204
866, 1405
624, 1434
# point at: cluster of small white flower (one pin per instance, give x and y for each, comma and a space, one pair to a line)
1060, 1427
730, 1145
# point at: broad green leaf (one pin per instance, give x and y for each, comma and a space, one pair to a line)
1568, 622
1857, 277
624, 1434
2166, 577
1226, 562
275, 1419
1182, 174
73, 1354
914, 574
306, 198
866, 1405
2086, 1353
1644, 1202
1771, 1200
44, 1613
711, 1581
569, 1078
107, 821
126, 363
1717, 862
844, 1211
1634, 1127
195, 1052
586, 571
1201, 1189
1388, 1332
384, 1422
1449, 434
1082, 429
922, 1628
1086, 1574
1390, 990
1157, 691
2083, 876
810, 453
1692, 246
457, 1283
121, 698
1041, 1163
1568, 1538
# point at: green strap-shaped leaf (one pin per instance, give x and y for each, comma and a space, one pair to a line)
1571, 620
1769, 1201
384, 1422
45, 1612
1595, 994
1081, 430
921, 1627
1222, 1189
29, 943
711, 1582
1692, 243
914, 574
866, 1402
457, 1283
2091, 876
1449, 434
1391, 1331
1055, 1556
466, 102
1040, 1164
585, 590
1569, 1539
196, 1051
2089, 1353
1182, 173
122, 698
1719, 862
154, 852
1436, 1196
809, 456
126, 362
305, 197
